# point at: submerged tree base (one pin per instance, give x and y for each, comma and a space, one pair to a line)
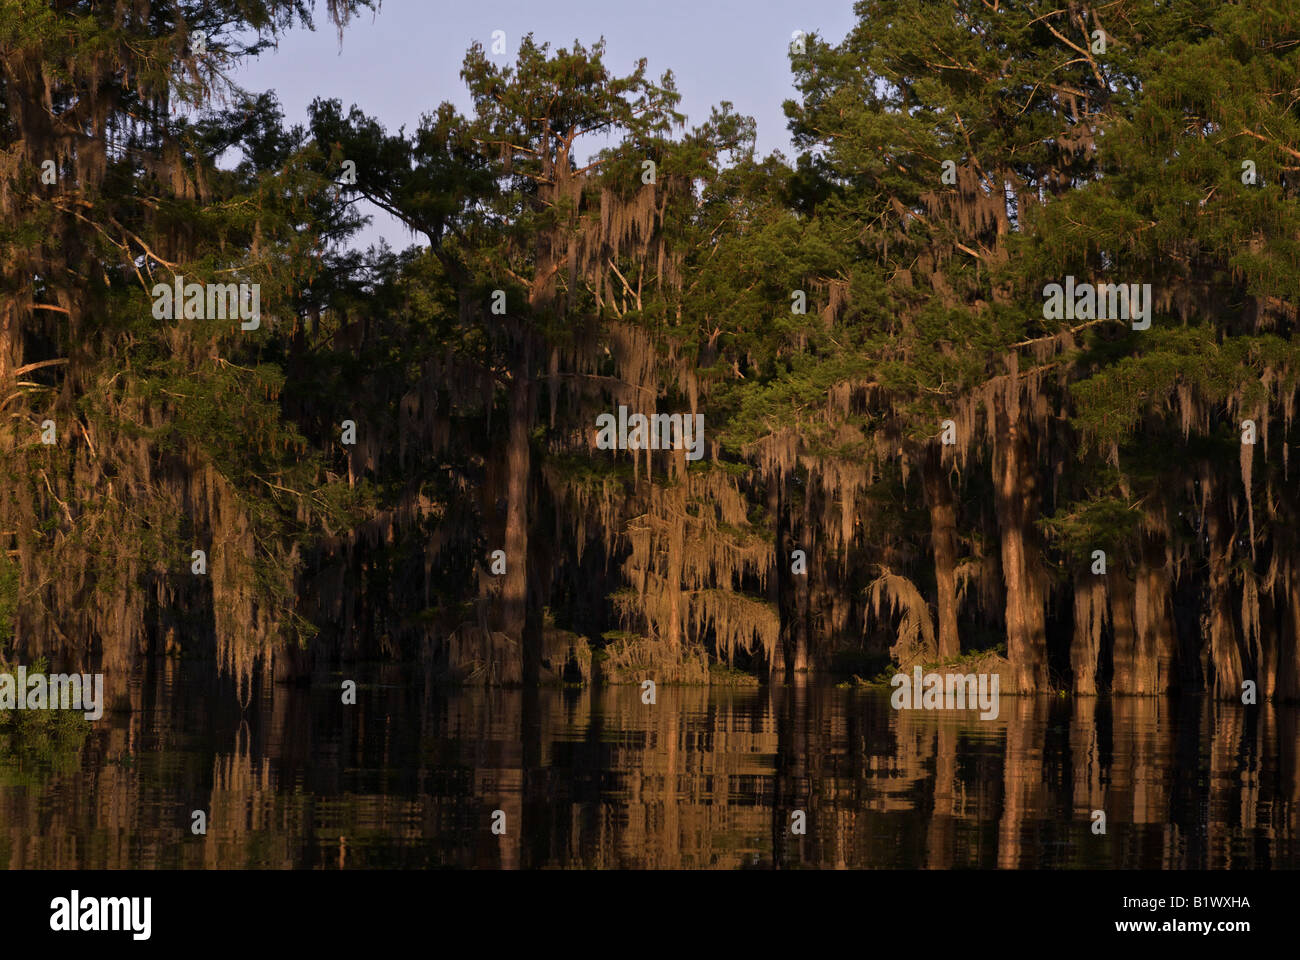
474, 656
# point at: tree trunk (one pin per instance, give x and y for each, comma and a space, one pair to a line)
1157, 640
1264, 649
943, 536
1225, 652
1124, 651
1288, 665
797, 662
1089, 621
776, 591
676, 560
514, 591
1016, 499
10, 341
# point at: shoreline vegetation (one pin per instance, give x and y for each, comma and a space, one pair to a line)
880, 433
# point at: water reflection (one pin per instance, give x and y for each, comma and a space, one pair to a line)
597, 779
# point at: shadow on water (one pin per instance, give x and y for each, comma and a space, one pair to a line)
595, 778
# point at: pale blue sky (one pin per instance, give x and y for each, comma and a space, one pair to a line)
406, 59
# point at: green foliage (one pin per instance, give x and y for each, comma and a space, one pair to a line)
954, 159
36, 743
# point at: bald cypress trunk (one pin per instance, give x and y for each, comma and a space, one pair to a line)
1288, 668
943, 537
1090, 614
1265, 649
797, 661
1225, 652
676, 533
10, 341
1016, 501
514, 591
1157, 641
1124, 650
777, 583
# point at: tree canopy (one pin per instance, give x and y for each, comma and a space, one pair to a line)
907, 452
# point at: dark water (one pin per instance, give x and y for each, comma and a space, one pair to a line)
595, 778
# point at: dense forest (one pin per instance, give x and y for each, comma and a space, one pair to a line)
928, 435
